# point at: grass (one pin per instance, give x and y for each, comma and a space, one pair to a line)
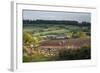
37, 58
57, 29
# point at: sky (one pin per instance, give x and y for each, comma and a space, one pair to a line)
56, 15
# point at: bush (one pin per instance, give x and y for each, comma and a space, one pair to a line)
70, 54
79, 34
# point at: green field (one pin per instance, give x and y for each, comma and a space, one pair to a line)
48, 29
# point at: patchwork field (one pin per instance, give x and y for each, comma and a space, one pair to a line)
55, 42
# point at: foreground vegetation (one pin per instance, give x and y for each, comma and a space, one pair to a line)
69, 54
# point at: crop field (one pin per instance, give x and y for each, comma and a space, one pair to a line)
55, 29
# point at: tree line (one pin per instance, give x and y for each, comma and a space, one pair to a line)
65, 22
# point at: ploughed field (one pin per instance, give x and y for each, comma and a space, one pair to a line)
66, 43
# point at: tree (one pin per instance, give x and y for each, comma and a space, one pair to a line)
36, 40
31, 42
81, 34
27, 41
27, 38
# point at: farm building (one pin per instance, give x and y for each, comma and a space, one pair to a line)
54, 36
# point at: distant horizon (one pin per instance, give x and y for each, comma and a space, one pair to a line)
55, 20
56, 15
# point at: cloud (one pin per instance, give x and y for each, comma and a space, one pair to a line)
56, 15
